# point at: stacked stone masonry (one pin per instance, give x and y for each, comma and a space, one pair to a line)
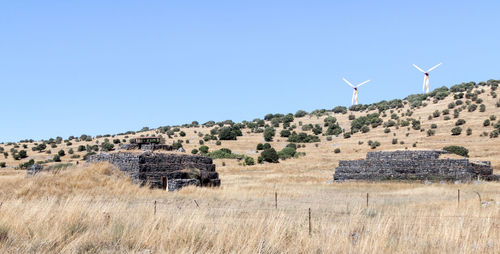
412, 165
155, 168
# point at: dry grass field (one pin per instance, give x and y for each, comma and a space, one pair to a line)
95, 208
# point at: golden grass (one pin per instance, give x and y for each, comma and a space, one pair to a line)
97, 209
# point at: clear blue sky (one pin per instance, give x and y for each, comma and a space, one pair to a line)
104, 67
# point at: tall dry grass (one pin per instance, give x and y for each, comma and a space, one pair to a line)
97, 209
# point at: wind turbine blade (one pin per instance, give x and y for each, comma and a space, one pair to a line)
349, 83
434, 67
418, 68
363, 83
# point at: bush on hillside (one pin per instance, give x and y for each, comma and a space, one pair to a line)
203, 149
486, 122
269, 155
299, 113
459, 150
287, 152
269, 133
249, 161
227, 133
285, 133
22, 154
302, 138
106, 147
460, 122
456, 131
340, 109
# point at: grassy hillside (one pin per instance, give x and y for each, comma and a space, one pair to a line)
416, 122
96, 208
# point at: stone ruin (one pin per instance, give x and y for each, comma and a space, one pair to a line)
146, 147
34, 169
413, 165
161, 170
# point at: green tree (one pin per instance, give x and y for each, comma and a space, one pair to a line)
270, 155
269, 133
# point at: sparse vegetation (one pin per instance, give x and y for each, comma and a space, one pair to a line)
459, 150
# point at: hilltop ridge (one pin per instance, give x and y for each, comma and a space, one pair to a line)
464, 115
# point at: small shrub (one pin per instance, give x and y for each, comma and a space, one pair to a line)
299, 113
436, 113
260, 146
194, 151
394, 141
456, 131
472, 108
270, 155
3, 164
23, 154
218, 143
365, 129
347, 135
203, 149
430, 132
434, 126
374, 144
106, 147
459, 150
486, 122
469, 131
337, 150
460, 122
482, 108
269, 133
249, 161
285, 133
494, 134
56, 158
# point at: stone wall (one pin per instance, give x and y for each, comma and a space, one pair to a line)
146, 147
149, 167
412, 165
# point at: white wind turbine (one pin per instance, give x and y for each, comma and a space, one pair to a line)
355, 93
425, 86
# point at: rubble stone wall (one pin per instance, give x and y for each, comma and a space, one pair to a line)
412, 165
148, 167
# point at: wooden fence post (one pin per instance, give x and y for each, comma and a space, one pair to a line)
310, 226
276, 200
155, 208
367, 198
458, 197
196, 203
